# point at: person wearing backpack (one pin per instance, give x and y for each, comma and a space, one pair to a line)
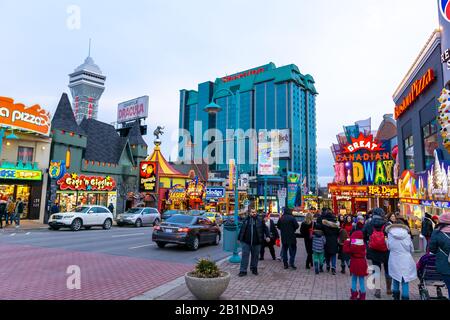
402, 267
440, 246
377, 249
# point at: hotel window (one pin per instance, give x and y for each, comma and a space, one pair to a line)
25, 154
409, 153
430, 142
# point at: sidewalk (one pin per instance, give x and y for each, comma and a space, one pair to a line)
276, 283
25, 225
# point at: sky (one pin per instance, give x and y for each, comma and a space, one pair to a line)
357, 51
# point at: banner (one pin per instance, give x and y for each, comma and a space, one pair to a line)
444, 21
132, 110
265, 159
292, 190
148, 177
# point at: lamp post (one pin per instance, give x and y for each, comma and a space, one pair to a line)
214, 108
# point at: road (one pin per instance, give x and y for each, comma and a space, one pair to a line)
116, 264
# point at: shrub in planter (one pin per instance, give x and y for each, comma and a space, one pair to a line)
207, 281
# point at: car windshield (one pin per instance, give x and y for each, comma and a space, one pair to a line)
180, 219
172, 212
82, 209
133, 211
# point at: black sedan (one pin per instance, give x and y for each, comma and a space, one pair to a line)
186, 230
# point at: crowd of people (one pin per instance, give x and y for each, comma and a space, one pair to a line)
383, 240
11, 211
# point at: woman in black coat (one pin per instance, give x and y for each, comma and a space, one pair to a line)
273, 238
306, 234
330, 228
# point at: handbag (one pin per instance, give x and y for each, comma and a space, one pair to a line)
278, 243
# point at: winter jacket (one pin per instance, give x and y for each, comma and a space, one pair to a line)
441, 242
356, 248
318, 242
305, 231
331, 231
401, 262
253, 231
376, 223
273, 231
427, 226
348, 227
288, 225
11, 207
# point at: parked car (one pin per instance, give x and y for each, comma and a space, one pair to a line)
84, 216
188, 231
214, 217
169, 213
139, 217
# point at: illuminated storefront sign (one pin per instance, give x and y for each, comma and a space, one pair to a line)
74, 182
364, 143
177, 193
348, 191
19, 174
17, 116
417, 89
57, 169
195, 189
215, 193
148, 177
383, 191
243, 75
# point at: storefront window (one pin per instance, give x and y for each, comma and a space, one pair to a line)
409, 153
430, 142
25, 154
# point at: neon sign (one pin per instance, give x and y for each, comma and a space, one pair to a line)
74, 182
363, 143
19, 174
243, 75
417, 89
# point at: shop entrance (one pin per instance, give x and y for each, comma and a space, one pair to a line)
15, 192
69, 200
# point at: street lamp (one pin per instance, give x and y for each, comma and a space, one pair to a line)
214, 108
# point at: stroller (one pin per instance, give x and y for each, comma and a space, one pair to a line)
428, 276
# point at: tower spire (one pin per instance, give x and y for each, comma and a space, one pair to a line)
89, 53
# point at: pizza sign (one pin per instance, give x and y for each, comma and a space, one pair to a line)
75, 182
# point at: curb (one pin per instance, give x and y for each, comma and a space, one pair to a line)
165, 288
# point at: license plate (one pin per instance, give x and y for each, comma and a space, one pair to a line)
169, 230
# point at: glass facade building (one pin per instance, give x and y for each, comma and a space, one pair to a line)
270, 98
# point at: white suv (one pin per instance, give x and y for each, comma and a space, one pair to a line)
85, 216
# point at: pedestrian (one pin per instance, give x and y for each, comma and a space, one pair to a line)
435, 220
111, 207
426, 230
377, 249
356, 249
273, 235
348, 224
18, 212
440, 246
252, 235
318, 247
288, 225
359, 224
3, 213
330, 227
55, 208
391, 218
342, 255
402, 267
306, 232
341, 219
10, 208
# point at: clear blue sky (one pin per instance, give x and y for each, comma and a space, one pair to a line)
357, 51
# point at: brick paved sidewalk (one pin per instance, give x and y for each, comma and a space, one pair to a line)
275, 283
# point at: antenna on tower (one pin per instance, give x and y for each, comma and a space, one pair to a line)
89, 47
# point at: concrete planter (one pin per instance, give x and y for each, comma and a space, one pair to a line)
207, 289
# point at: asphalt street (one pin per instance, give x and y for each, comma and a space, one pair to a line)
119, 241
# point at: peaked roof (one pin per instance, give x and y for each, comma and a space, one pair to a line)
164, 167
103, 142
135, 136
64, 118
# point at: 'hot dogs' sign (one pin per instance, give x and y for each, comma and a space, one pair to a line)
17, 116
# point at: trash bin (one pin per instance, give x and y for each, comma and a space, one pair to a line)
230, 234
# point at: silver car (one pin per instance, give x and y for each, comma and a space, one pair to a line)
139, 217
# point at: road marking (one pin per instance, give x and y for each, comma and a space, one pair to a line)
143, 246
129, 235
28, 233
12, 234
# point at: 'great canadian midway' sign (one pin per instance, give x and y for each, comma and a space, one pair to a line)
132, 110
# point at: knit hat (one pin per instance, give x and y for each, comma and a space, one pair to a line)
445, 218
379, 212
360, 218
